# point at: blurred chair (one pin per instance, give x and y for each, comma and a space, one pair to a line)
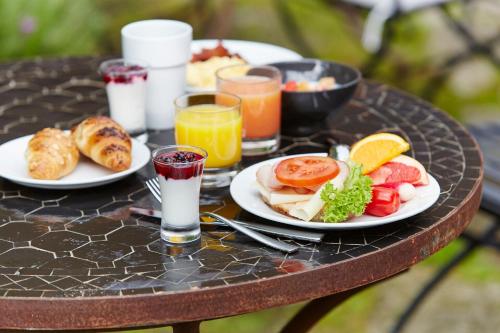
385, 14
382, 11
378, 32
488, 137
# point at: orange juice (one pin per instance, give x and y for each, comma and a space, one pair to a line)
261, 103
215, 128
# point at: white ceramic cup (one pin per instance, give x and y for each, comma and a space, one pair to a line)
166, 46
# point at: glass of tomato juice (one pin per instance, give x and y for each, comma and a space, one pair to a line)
259, 88
213, 122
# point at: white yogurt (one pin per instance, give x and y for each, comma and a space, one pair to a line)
180, 201
127, 104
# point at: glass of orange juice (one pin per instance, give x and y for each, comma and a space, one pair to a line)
259, 88
213, 122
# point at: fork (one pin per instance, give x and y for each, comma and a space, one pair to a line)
154, 187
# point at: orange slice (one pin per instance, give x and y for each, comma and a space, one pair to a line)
377, 149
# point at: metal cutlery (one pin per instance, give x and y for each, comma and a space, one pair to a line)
271, 242
154, 187
304, 235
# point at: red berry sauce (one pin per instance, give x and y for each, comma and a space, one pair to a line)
121, 74
179, 164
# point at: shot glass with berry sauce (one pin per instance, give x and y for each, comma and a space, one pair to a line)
126, 90
179, 169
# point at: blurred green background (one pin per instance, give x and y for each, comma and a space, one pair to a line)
420, 46
421, 41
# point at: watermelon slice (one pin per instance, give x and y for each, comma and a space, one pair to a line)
402, 169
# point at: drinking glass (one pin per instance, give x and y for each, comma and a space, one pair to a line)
126, 90
259, 88
213, 122
179, 169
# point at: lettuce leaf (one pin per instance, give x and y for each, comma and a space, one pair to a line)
350, 201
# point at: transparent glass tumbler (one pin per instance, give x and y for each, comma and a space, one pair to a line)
213, 122
179, 169
259, 88
126, 90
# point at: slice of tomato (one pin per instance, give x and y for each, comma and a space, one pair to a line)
306, 171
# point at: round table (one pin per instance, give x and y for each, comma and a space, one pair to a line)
77, 259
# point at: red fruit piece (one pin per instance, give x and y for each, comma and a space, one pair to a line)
402, 173
385, 201
380, 175
407, 160
290, 86
396, 173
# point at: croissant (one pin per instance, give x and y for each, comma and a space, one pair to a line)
51, 154
104, 141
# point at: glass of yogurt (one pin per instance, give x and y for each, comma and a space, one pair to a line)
179, 169
126, 90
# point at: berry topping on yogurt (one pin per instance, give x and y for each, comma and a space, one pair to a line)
178, 164
124, 74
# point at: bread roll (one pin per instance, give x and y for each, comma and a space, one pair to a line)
105, 142
51, 154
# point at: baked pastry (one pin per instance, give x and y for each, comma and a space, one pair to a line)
104, 141
51, 154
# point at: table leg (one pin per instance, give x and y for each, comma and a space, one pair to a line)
310, 314
191, 327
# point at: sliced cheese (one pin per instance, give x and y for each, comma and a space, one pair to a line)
283, 196
311, 208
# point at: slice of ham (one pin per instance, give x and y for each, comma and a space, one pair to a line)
302, 190
267, 178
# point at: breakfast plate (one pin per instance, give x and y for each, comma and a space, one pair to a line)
86, 174
253, 52
245, 193
201, 74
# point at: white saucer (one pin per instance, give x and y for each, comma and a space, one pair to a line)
86, 173
246, 195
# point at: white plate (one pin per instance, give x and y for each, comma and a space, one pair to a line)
254, 53
245, 193
86, 173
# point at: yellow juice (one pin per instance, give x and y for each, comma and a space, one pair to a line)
215, 128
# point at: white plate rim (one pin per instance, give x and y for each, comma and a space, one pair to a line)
233, 45
141, 148
280, 218
197, 43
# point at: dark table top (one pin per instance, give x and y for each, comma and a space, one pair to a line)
77, 258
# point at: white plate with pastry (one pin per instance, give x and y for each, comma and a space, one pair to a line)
51, 160
246, 194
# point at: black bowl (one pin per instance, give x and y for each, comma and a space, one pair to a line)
304, 112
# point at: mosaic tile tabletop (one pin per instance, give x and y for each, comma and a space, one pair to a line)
85, 242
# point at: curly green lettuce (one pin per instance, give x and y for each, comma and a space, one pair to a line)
340, 205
